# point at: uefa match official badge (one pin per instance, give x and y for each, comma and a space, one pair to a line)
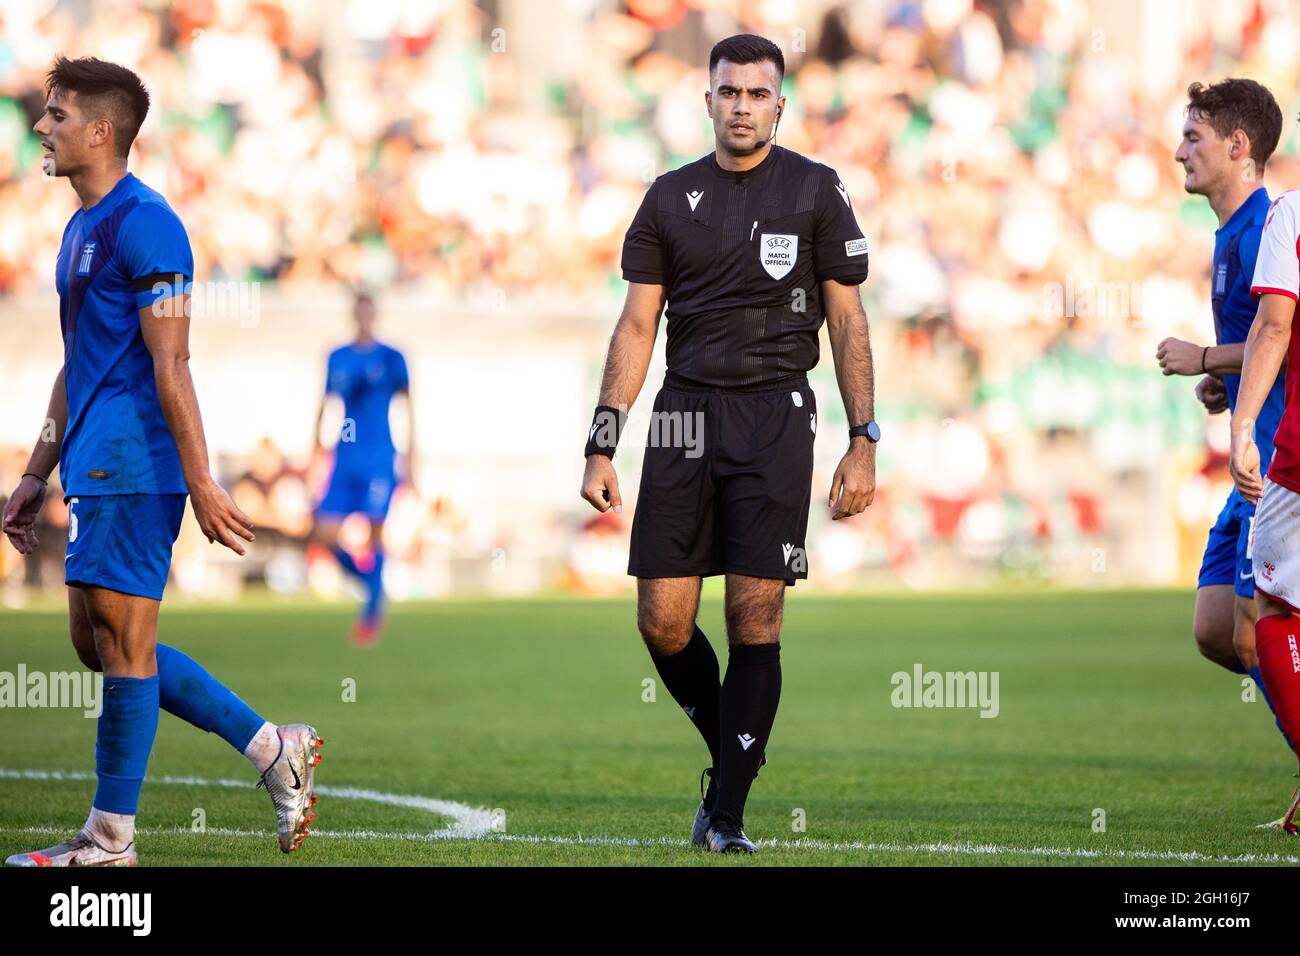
777, 252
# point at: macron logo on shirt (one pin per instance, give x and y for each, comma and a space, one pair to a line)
87, 255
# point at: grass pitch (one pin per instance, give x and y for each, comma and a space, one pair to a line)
535, 708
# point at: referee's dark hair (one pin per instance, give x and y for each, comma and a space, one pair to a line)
747, 48
104, 90
1239, 104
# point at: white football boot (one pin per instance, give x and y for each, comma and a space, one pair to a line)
289, 781
81, 850
1286, 822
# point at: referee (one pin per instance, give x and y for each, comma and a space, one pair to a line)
751, 247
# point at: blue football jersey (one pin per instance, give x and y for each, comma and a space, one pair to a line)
366, 379
126, 252
1236, 247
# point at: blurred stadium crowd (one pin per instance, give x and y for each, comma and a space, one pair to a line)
1011, 163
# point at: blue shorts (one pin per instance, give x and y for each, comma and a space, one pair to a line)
358, 492
122, 542
1227, 553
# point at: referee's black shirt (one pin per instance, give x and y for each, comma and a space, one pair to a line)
733, 250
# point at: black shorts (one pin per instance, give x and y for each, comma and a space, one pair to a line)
726, 483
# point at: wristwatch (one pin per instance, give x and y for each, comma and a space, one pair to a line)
870, 431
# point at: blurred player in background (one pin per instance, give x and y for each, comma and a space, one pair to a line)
123, 426
366, 375
752, 247
1276, 538
1232, 129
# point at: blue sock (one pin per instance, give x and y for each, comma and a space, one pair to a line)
375, 584
192, 694
1258, 678
123, 740
347, 562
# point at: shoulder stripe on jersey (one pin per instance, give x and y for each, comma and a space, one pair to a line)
808, 193
1261, 290
145, 283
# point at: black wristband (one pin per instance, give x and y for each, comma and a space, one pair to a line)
606, 427
1204, 352
870, 431
44, 481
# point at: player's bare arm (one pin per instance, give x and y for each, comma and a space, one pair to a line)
626, 365
1265, 350
319, 470
317, 445
165, 327
409, 475
27, 499
1180, 357
854, 484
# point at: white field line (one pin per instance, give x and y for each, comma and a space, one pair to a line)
468, 822
475, 823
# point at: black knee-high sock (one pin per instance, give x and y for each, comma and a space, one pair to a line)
691, 676
750, 694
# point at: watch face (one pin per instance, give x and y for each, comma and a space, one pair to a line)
873, 431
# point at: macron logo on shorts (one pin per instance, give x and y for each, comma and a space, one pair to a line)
789, 551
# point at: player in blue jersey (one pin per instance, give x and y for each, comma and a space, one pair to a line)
1231, 130
123, 426
366, 375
